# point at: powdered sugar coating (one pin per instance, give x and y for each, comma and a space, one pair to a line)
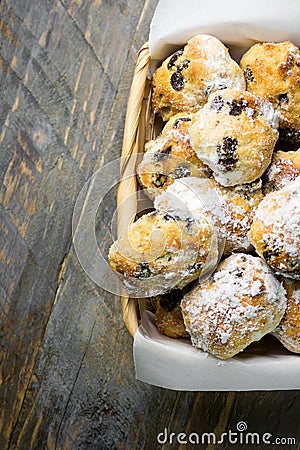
195, 199
275, 231
231, 209
240, 303
189, 197
270, 114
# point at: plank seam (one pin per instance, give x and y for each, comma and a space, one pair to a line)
73, 385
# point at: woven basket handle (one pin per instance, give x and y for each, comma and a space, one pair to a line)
132, 140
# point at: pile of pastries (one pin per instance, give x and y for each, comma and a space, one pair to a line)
219, 253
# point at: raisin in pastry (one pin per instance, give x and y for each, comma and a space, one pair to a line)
272, 71
185, 79
168, 315
240, 303
235, 134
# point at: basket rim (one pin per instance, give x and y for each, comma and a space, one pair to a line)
134, 135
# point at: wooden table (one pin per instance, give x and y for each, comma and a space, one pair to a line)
67, 372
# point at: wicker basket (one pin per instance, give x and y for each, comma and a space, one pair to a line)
139, 128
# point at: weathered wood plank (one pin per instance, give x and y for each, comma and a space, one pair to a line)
11, 244
24, 324
67, 371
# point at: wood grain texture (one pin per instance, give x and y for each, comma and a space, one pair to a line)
67, 376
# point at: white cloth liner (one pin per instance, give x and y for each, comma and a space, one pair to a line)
175, 364
236, 23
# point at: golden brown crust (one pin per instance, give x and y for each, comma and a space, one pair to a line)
169, 157
275, 230
272, 71
168, 315
186, 78
158, 244
288, 331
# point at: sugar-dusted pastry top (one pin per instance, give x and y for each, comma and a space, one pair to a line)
231, 209
240, 303
275, 230
284, 168
272, 72
161, 252
186, 78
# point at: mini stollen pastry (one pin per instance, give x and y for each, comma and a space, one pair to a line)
231, 209
275, 230
185, 79
288, 331
284, 168
240, 303
272, 71
168, 315
160, 253
239, 204
194, 197
170, 156
235, 134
